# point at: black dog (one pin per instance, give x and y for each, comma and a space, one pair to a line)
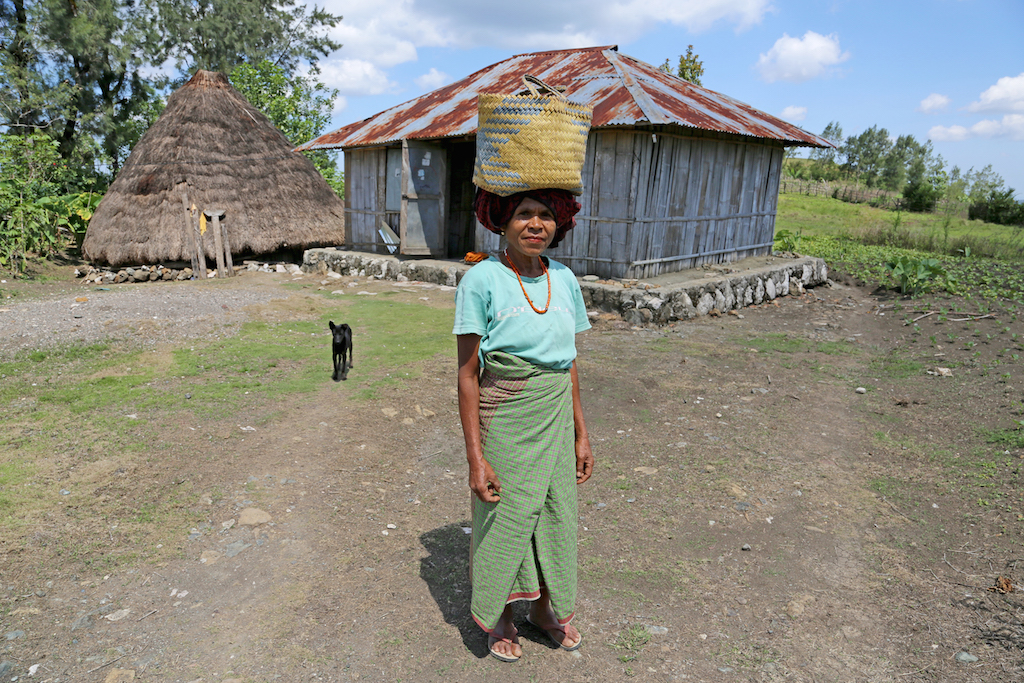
341, 348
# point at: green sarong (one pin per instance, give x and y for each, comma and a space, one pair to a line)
528, 539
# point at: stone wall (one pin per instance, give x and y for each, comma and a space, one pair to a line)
639, 303
718, 292
358, 264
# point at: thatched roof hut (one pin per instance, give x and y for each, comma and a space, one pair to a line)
211, 148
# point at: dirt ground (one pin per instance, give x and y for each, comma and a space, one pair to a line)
752, 517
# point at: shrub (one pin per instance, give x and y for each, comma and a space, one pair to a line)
920, 196
787, 240
914, 275
36, 216
999, 207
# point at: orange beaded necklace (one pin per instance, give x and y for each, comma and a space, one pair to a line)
521, 286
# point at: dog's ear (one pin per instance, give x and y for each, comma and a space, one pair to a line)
331, 323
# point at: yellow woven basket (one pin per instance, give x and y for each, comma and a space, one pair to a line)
530, 141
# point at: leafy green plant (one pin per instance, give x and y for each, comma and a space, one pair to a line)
787, 240
915, 275
632, 640
36, 214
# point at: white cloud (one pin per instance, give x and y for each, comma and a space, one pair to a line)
933, 103
383, 35
694, 15
1011, 126
801, 59
1007, 95
792, 113
948, 133
387, 34
354, 77
433, 79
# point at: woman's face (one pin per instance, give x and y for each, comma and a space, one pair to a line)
531, 229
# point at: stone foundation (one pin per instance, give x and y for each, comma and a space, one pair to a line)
715, 292
661, 301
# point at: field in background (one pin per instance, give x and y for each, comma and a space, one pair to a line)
980, 259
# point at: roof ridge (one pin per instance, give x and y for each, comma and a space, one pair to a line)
599, 48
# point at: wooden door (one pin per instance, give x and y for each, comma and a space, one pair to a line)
424, 186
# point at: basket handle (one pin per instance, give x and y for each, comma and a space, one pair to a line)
532, 82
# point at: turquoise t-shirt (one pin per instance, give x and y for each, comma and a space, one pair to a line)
490, 303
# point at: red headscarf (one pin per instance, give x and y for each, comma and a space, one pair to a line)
494, 212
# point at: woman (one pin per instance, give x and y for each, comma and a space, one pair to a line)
516, 318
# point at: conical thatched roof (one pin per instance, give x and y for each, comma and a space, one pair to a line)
211, 143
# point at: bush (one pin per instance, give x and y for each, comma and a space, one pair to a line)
915, 275
921, 196
999, 207
36, 214
787, 240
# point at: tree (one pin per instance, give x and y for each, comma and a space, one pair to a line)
894, 165
823, 159
926, 180
33, 99
218, 35
980, 184
80, 70
990, 200
864, 153
690, 68
75, 66
299, 106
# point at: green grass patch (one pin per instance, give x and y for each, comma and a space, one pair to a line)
1012, 438
896, 365
779, 342
17, 491
631, 639
664, 345
218, 377
812, 215
886, 486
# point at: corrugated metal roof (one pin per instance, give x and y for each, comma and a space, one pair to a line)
622, 90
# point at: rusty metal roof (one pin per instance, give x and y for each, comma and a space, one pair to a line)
622, 90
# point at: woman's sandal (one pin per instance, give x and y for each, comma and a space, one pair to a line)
568, 648
491, 640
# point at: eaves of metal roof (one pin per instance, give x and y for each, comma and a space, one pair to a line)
622, 90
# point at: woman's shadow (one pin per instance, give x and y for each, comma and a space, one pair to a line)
446, 572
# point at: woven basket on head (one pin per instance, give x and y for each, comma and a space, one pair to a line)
530, 141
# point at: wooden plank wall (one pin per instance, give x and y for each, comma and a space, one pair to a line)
652, 197
364, 198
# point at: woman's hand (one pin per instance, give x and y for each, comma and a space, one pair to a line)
484, 482
584, 459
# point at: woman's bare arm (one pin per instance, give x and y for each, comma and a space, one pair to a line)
584, 456
482, 479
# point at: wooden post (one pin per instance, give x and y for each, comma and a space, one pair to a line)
215, 215
190, 238
227, 249
200, 247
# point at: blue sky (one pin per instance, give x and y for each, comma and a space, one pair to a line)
951, 71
